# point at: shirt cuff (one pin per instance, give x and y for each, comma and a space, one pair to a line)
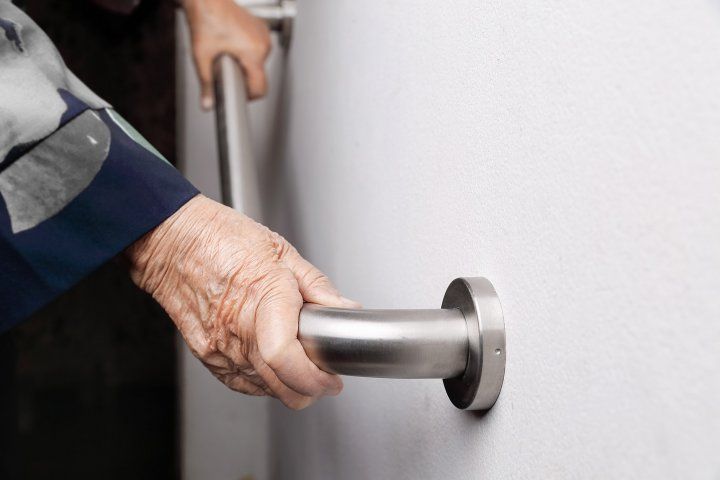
73, 202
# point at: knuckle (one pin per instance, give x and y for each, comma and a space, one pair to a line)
241, 385
274, 355
218, 363
262, 45
247, 388
203, 349
203, 58
285, 250
266, 46
261, 50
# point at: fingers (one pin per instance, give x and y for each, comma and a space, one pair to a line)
255, 79
314, 285
276, 325
203, 65
241, 384
224, 27
289, 397
252, 63
252, 55
256, 378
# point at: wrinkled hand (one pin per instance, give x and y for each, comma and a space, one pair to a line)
221, 26
234, 290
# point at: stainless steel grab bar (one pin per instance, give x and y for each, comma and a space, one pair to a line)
463, 342
238, 171
386, 343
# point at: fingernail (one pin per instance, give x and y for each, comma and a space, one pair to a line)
350, 303
207, 103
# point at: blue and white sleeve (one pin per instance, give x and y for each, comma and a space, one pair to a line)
77, 183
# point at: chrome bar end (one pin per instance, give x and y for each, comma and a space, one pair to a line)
479, 386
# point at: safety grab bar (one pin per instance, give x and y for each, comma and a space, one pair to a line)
238, 171
463, 342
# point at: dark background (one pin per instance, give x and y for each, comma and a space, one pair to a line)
88, 385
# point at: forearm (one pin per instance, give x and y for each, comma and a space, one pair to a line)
169, 246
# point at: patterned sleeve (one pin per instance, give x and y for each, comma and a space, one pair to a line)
77, 183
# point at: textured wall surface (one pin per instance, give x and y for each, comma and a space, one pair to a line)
568, 151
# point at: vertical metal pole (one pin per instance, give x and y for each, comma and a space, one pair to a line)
238, 171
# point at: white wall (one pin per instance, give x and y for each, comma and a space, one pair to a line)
569, 151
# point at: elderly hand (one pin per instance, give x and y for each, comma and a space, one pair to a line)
221, 26
234, 290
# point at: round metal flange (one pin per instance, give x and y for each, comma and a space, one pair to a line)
479, 386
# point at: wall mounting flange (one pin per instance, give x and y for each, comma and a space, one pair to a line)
479, 386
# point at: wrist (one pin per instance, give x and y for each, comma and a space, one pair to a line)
158, 252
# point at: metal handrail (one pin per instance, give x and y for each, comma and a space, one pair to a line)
238, 171
462, 343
